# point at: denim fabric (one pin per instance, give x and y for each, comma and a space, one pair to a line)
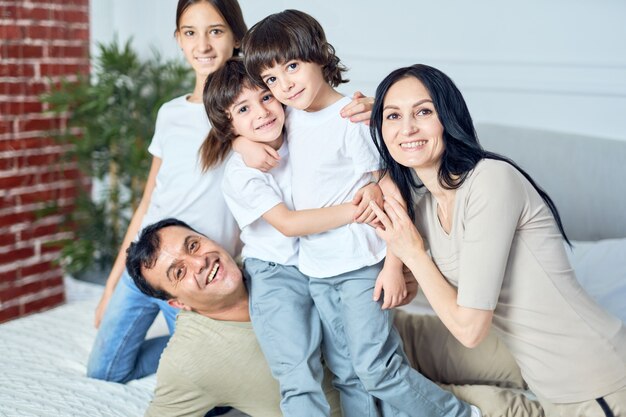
289, 332
353, 322
120, 352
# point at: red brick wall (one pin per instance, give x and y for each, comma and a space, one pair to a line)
40, 41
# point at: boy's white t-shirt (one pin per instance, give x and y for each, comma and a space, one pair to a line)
331, 159
249, 194
182, 190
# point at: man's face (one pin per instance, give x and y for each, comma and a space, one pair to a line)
197, 272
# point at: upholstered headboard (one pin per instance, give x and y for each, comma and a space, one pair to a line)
585, 176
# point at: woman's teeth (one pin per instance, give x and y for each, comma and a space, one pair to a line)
413, 144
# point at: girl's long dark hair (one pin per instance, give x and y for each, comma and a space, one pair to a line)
462, 150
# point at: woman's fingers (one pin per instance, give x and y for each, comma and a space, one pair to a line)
382, 217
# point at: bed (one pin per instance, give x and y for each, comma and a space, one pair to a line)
43, 356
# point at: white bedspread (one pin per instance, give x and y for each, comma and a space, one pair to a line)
43, 361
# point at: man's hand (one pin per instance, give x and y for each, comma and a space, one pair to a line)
359, 109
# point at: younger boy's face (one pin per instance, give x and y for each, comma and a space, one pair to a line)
257, 115
298, 84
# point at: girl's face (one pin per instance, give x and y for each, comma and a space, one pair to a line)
411, 128
205, 38
258, 116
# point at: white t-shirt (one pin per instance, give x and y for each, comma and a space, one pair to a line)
331, 159
182, 190
249, 194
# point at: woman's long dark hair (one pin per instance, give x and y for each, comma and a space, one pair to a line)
462, 150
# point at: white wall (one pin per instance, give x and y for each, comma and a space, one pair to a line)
558, 65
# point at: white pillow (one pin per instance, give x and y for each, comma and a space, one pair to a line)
601, 270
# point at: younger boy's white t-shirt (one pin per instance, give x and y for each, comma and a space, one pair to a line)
182, 190
250, 193
332, 158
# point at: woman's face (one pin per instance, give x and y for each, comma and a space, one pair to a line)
205, 38
258, 116
410, 127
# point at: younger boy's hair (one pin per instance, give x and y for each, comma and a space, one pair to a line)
287, 36
221, 89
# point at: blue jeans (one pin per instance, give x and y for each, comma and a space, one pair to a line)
356, 327
120, 352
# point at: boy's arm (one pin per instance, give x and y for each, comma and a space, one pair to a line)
308, 222
256, 155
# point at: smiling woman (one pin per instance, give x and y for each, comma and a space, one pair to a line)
486, 246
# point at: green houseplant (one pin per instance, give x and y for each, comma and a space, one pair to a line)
110, 122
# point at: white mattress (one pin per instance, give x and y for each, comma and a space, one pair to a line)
43, 361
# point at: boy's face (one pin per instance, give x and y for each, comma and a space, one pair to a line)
298, 84
257, 115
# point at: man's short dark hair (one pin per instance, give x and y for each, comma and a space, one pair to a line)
144, 253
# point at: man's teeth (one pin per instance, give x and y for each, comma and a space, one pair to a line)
213, 272
413, 144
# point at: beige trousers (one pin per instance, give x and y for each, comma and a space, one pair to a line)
615, 401
486, 376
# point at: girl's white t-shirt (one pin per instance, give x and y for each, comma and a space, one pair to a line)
182, 190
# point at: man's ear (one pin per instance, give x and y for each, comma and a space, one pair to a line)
173, 302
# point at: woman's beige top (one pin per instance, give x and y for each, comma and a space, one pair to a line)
504, 252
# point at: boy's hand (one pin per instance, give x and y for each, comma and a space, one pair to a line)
256, 155
391, 281
359, 109
364, 212
411, 286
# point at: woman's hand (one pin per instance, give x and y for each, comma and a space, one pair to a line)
362, 199
397, 230
256, 155
359, 109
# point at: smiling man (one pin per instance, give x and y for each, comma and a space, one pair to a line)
213, 359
